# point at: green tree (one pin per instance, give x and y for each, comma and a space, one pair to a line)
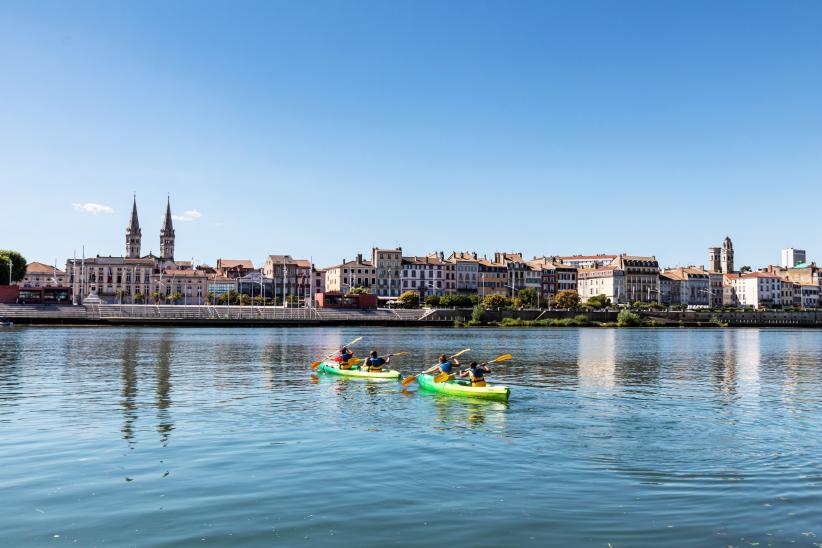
139, 298
231, 296
359, 290
210, 298
432, 300
457, 300
566, 299
745, 268
18, 266
409, 299
496, 301
258, 300
476, 314
626, 318
156, 296
175, 297
528, 296
245, 300
598, 301
516, 303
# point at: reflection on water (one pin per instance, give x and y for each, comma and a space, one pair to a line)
635, 437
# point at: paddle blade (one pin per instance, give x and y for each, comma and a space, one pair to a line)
502, 358
400, 354
408, 380
316, 364
355, 361
461, 352
442, 377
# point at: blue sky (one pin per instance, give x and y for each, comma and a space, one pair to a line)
320, 129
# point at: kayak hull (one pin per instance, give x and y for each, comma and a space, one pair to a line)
457, 388
333, 368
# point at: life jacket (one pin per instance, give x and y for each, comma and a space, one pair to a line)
375, 364
445, 367
476, 376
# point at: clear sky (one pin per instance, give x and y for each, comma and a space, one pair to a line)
319, 129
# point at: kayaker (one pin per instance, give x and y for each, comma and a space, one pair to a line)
444, 365
476, 373
343, 357
375, 362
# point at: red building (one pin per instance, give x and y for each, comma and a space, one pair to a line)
335, 299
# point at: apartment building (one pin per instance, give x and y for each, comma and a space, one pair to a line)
388, 270
351, 274
756, 289
605, 280
641, 277
429, 275
43, 275
466, 267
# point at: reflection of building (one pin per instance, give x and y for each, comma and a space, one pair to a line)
596, 358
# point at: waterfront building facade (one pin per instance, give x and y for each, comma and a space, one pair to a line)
466, 268
428, 275
388, 271
756, 290
492, 278
641, 277
234, 268
555, 276
605, 280
291, 277
586, 261
43, 275
350, 274
686, 286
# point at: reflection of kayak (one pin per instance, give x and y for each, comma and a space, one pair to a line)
333, 368
464, 388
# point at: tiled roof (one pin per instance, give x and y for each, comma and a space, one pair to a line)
234, 263
40, 268
585, 257
288, 260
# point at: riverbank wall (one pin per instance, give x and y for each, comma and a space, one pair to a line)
194, 315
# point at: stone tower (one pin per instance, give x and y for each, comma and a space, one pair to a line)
714, 259
727, 257
133, 234
167, 235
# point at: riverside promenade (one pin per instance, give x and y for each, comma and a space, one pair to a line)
206, 315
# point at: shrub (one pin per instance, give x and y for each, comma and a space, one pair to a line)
495, 301
432, 300
626, 318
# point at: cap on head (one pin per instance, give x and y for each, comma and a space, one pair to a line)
373, 353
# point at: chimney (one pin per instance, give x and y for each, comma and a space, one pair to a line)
359, 258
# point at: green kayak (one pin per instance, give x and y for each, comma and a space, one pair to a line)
333, 368
464, 388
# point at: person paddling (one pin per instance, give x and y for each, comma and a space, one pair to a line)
476, 373
374, 362
343, 357
444, 365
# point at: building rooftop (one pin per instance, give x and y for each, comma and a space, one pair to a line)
234, 263
40, 268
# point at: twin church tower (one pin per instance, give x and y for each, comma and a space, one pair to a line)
134, 235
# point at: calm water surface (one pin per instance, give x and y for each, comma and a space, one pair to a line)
170, 437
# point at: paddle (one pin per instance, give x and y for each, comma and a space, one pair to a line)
408, 380
316, 364
442, 377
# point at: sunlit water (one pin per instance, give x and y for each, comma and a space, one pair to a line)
145, 436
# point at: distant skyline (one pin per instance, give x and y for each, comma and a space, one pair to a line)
321, 129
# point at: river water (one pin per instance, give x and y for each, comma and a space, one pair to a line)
170, 437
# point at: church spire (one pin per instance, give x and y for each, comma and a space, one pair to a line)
167, 235
133, 233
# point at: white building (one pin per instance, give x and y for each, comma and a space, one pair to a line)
586, 261
606, 280
429, 275
43, 275
756, 289
466, 269
810, 295
792, 257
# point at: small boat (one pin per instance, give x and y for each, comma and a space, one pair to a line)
464, 388
333, 368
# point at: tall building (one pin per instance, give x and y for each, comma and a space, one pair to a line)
167, 235
133, 234
721, 259
792, 257
387, 265
727, 257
